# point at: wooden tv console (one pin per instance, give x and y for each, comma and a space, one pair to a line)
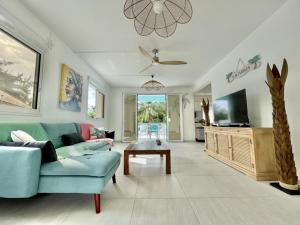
249, 150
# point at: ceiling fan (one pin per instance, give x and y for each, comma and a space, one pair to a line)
155, 59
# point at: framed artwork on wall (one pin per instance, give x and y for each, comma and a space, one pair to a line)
70, 96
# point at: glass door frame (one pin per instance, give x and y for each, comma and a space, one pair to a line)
180, 114
123, 115
136, 110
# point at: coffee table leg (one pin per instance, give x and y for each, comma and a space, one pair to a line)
168, 163
126, 163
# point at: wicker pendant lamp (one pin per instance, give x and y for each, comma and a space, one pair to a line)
159, 15
152, 85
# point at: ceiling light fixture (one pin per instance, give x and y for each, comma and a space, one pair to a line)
158, 6
153, 85
159, 15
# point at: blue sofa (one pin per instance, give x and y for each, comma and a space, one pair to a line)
23, 175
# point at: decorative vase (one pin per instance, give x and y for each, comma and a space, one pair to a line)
158, 142
282, 141
205, 107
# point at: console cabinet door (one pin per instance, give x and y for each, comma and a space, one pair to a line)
223, 145
210, 142
241, 151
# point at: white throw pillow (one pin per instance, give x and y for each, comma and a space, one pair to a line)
21, 136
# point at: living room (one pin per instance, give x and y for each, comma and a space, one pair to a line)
142, 91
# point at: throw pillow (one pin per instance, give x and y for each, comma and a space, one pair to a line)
110, 134
21, 136
71, 139
97, 133
47, 148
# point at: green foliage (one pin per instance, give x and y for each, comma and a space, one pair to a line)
152, 112
92, 112
18, 86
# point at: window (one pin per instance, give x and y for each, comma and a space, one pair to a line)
95, 103
19, 73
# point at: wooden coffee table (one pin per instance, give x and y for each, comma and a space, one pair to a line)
147, 148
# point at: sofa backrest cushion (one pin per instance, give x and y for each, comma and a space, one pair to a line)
56, 130
77, 125
34, 129
85, 130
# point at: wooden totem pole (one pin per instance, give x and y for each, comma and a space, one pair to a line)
283, 148
205, 107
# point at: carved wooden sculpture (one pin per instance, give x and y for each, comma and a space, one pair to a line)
283, 148
205, 107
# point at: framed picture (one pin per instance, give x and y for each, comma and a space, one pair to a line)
70, 96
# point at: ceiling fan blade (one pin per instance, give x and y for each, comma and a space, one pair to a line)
146, 68
172, 62
144, 52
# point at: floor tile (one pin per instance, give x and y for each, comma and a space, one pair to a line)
163, 212
114, 212
205, 169
159, 187
125, 187
246, 211
224, 186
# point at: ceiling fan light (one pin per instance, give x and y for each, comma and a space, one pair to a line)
158, 6
152, 85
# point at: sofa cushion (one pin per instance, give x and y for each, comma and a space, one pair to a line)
71, 139
97, 165
102, 140
77, 125
56, 130
33, 129
97, 133
82, 148
85, 130
21, 136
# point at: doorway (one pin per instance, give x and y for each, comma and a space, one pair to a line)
152, 116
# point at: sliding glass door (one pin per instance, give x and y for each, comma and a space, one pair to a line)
129, 117
174, 118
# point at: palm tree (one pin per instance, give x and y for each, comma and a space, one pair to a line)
146, 113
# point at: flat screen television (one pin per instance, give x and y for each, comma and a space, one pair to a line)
231, 110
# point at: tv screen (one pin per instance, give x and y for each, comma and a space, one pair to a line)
231, 109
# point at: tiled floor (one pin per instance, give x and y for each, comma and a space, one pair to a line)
200, 191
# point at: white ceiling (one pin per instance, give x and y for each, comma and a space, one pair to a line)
98, 31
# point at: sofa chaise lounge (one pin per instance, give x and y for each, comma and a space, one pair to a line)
22, 174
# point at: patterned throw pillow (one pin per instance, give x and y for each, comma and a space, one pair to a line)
97, 133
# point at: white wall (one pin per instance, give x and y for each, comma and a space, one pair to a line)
59, 54
116, 108
276, 38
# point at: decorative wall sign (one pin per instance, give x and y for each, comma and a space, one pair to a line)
243, 68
